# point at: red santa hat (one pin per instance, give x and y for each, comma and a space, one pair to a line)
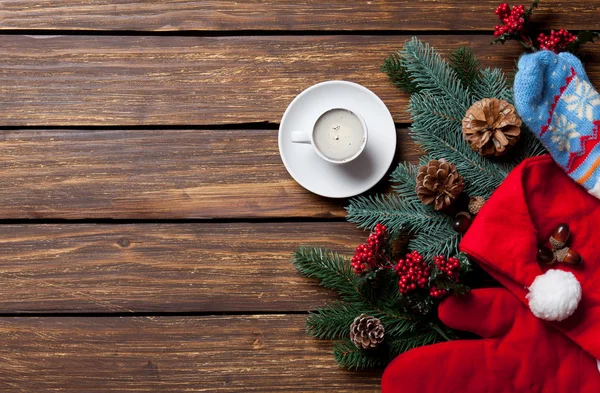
519, 216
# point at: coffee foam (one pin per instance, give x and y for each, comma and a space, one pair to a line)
338, 134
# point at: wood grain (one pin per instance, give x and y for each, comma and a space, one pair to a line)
163, 267
131, 80
131, 174
258, 353
228, 15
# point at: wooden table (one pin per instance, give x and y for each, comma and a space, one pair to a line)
147, 220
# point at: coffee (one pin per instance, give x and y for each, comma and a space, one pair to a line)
339, 134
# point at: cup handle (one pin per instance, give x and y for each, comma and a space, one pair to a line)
300, 137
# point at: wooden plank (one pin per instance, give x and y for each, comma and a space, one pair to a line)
132, 80
79, 174
219, 15
163, 267
260, 353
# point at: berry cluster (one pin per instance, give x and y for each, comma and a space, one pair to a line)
369, 255
438, 293
556, 41
513, 19
449, 268
414, 273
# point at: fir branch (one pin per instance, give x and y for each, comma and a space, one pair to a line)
528, 146
444, 332
347, 355
397, 73
458, 289
404, 178
432, 75
438, 130
466, 66
396, 213
332, 321
397, 326
331, 271
401, 344
493, 84
334, 272
444, 241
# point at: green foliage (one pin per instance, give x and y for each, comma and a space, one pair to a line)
437, 128
442, 241
404, 179
332, 321
347, 355
445, 92
493, 85
398, 214
529, 11
330, 270
583, 37
466, 67
433, 76
334, 272
529, 146
397, 73
525, 41
404, 329
465, 263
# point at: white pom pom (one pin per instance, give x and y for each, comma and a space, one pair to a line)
554, 295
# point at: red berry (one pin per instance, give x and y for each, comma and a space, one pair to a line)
513, 19
370, 255
503, 10
438, 293
448, 267
413, 273
556, 41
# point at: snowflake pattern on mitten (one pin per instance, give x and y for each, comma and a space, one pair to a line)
563, 131
559, 104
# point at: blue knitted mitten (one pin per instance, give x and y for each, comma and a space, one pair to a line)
555, 99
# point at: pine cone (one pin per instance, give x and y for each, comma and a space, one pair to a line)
439, 183
366, 332
491, 126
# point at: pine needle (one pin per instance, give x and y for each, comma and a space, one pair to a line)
332, 321
432, 75
347, 355
465, 65
493, 84
330, 269
396, 213
397, 73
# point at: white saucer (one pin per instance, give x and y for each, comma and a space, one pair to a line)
337, 180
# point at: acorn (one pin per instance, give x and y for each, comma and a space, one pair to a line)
475, 204
461, 222
545, 255
569, 256
560, 236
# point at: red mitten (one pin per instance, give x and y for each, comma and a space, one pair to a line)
519, 353
521, 214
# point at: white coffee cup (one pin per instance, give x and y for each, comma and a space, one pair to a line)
338, 135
